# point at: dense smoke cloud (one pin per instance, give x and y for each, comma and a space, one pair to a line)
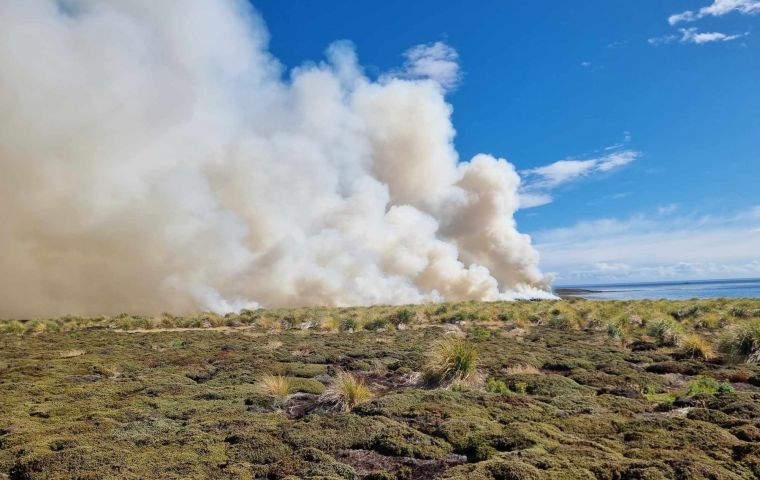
154, 158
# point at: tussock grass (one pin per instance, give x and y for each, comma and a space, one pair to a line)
12, 326
278, 386
452, 361
696, 347
742, 342
568, 315
666, 331
347, 391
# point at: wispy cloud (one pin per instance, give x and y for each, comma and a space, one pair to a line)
717, 9
667, 209
532, 199
618, 196
540, 181
617, 44
660, 245
563, 171
435, 61
693, 35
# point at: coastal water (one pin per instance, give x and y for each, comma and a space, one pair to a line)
746, 288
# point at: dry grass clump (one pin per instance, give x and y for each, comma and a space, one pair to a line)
346, 392
523, 369
330, 324
696, 347
72, 353
12, 326
275, 385
272, 345
452, 361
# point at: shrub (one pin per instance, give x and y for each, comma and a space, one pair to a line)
686, 312
696, 347
740, 312
346, 392
479, 333
615, 330
742, 343
521, 388
497, 386
51, 326
452, 361
560, 322
403, 316
666, 397
707, 386
667, 332
275, 385
348, 325
377, 324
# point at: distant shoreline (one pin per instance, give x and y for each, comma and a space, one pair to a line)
572, 292
671, 290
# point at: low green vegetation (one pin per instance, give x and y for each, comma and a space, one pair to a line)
505, 390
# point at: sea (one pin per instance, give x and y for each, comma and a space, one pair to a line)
738, 288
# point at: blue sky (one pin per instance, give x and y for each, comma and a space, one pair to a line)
654, 111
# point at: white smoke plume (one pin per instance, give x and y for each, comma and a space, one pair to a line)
154, 156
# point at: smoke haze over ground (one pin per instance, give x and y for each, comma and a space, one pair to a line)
154, 157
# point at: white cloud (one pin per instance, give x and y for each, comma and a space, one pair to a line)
563, 171
611, 267
538, 182
664, 40
586, 64
530, 200
717, 9
650, 247
693, 35
618, 196
435, 61
667, 209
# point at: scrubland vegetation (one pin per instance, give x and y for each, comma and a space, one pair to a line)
526, 390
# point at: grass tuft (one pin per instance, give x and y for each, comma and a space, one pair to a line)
275, 385
452, 361
696, 347
666, 331
346, 392
742, 343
